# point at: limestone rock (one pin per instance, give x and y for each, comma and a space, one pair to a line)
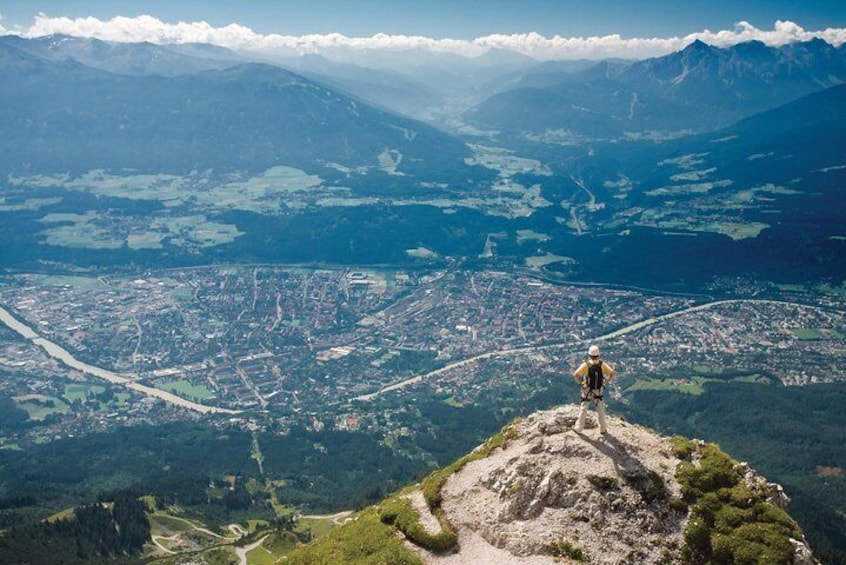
551, 492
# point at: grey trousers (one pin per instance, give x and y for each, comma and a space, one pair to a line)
600, 412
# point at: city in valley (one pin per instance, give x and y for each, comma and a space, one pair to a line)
270, 347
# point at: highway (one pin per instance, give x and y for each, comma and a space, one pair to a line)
571, 344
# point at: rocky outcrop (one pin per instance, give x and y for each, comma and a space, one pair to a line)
550, 494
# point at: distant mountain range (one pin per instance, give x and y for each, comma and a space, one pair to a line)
416, 83
61, 115
127, 58
700, 88
564, 149
383, 88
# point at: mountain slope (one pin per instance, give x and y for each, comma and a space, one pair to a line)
762, 196
802, 135
539, 492
797, 146
63, 116
381, 88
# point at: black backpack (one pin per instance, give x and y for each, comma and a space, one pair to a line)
595, 377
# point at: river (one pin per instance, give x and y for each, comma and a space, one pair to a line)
58, 352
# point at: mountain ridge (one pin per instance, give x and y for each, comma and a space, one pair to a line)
700, 88
133, 59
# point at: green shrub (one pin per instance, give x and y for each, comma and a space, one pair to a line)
682, 447
686, 475
697, 538
399, 512
743, 496
432, 485
716, 470
772, 514
564, 548
730, 521
678, 504
753, 544
722, 548
772, 539
706, 508
729, 517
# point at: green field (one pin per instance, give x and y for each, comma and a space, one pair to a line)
165, 524
28, 204
145, 240
86, 231
421, 253
736, 230
271, 550
318, 525
69, 280
687, 386
451, 401
81, 391
261, 556
541, 261
791, 287
694, 385
827, 288
691, 188
530, 235
185, 389
809, 334
94, 230
39, 406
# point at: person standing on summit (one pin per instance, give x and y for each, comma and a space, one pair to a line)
592, 376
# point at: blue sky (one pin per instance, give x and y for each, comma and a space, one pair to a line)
543, 29
458, 19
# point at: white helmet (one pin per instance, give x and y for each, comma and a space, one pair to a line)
593, 351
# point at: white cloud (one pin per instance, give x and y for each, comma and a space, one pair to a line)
237, 37
558, 47
784, 32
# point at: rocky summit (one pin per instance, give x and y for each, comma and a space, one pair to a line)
548, 494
